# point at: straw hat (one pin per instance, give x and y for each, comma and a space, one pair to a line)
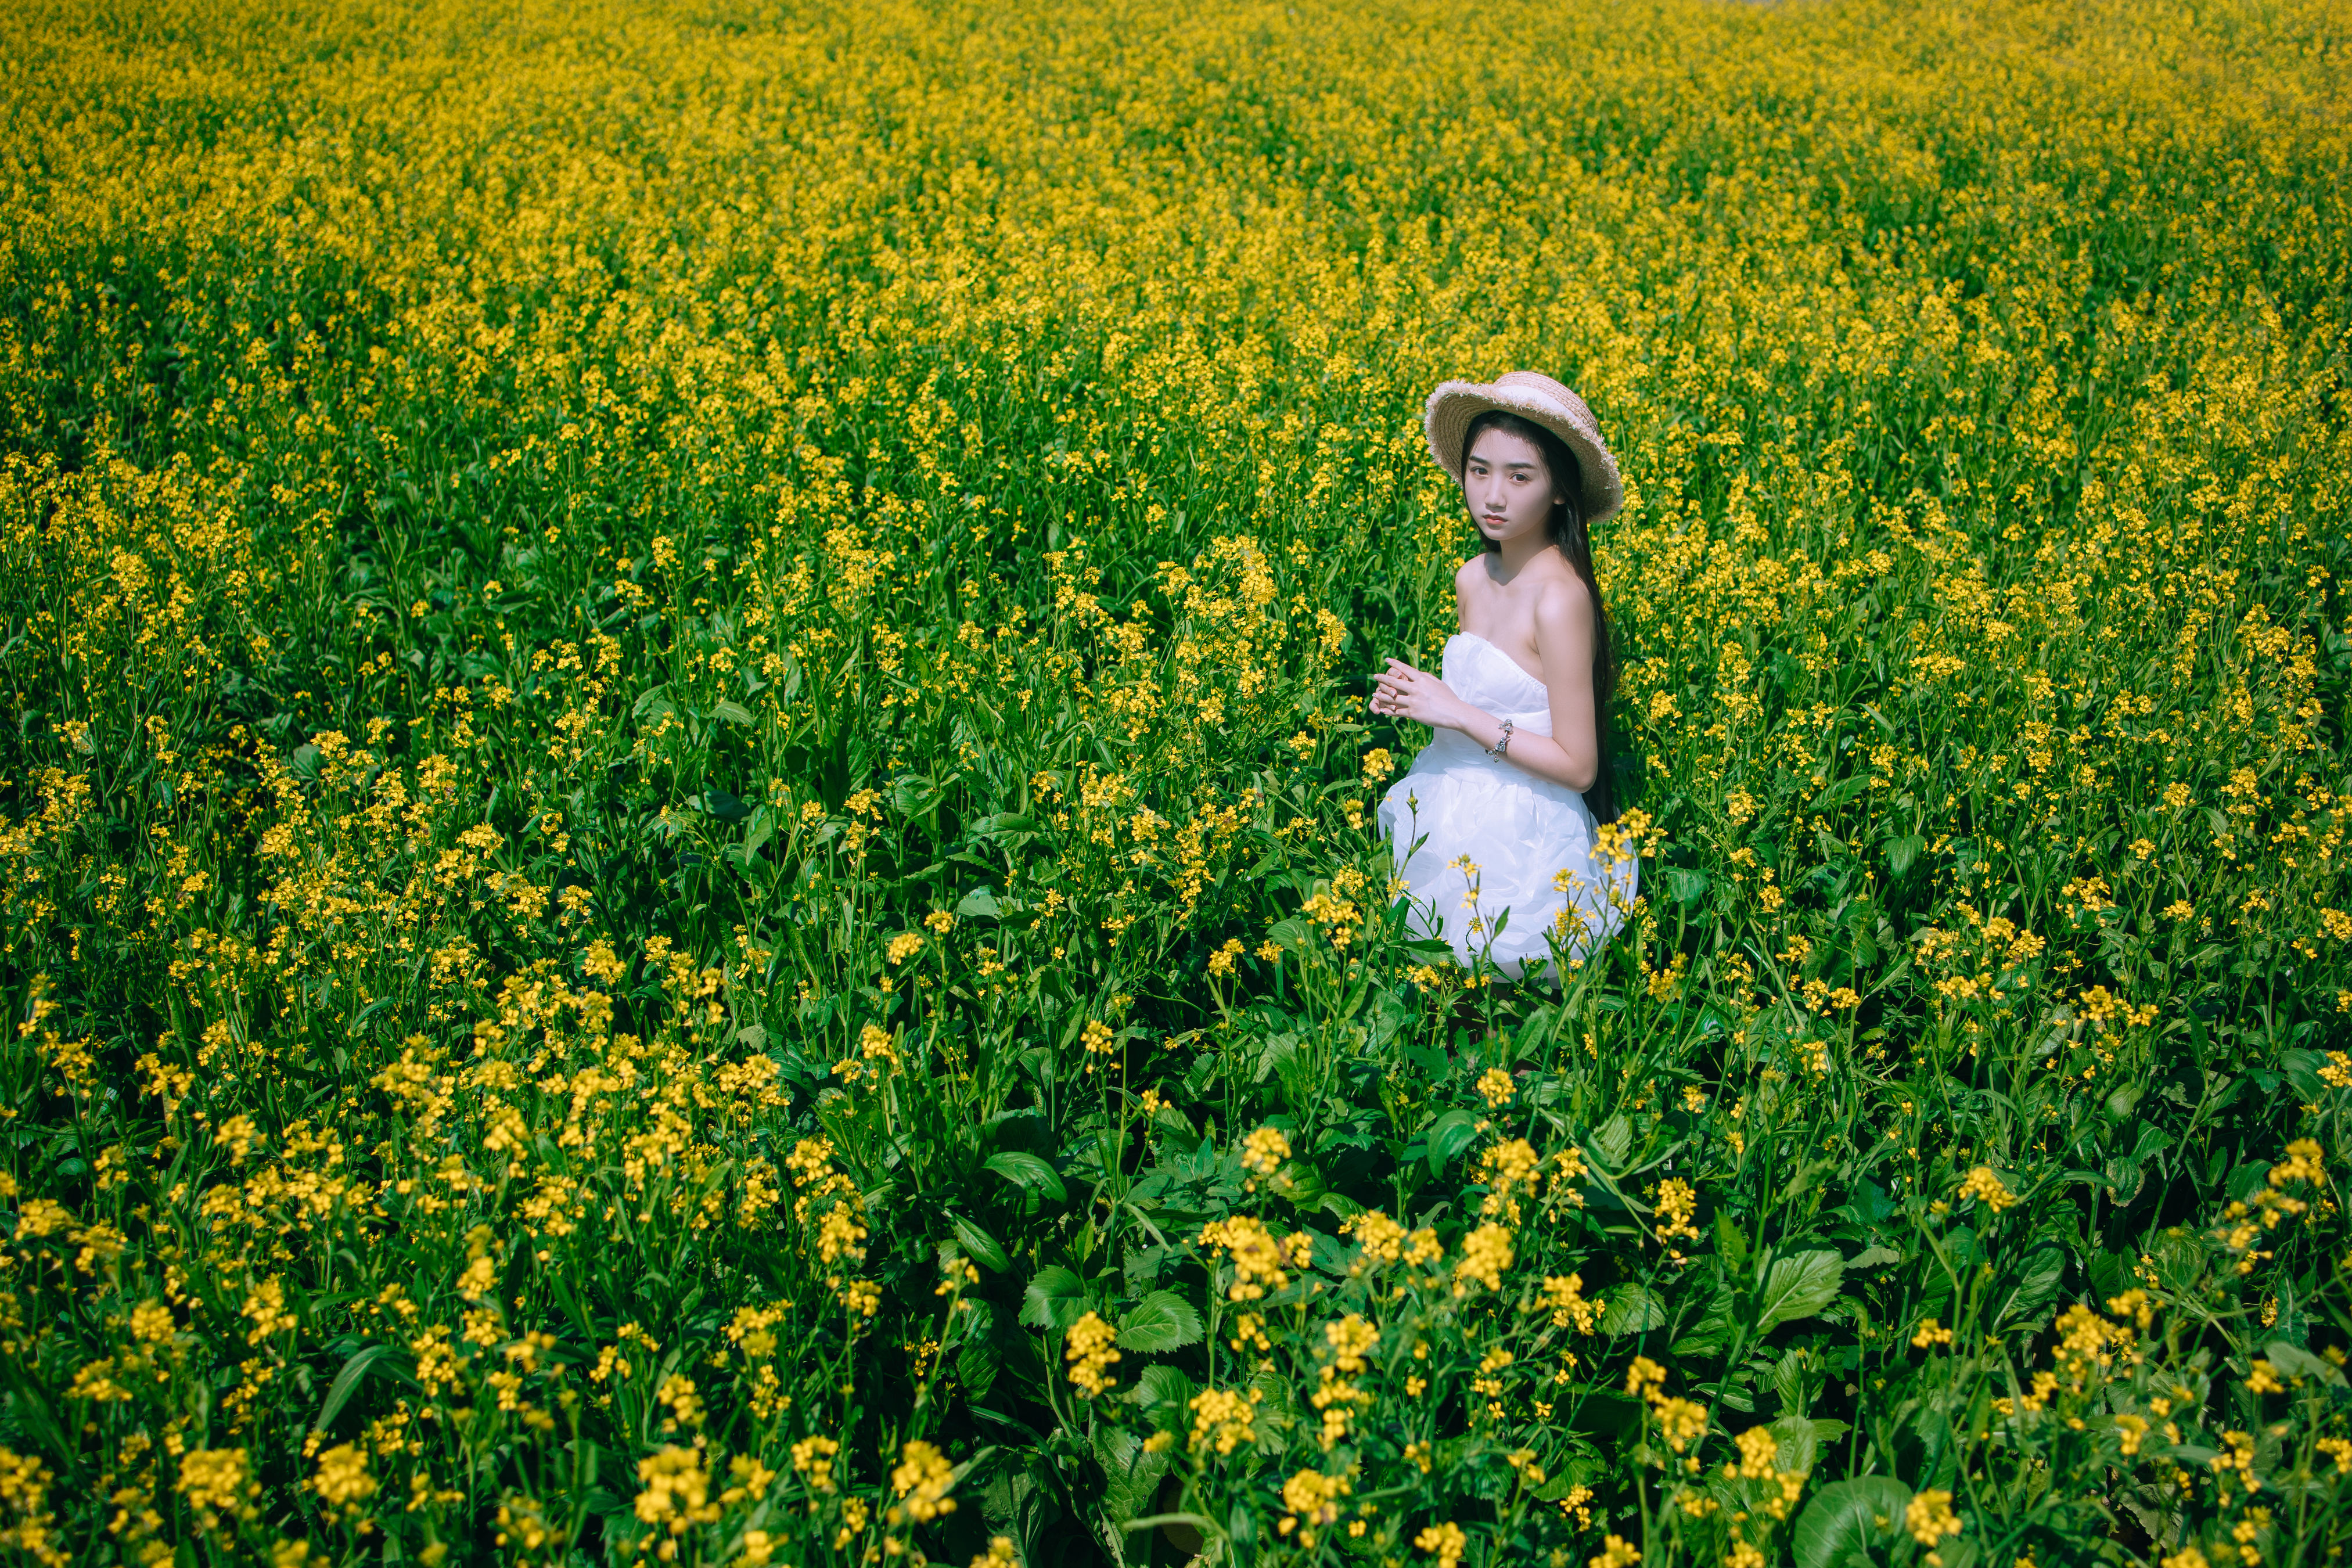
1456, 404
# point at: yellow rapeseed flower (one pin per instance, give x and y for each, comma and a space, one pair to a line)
1986, 1187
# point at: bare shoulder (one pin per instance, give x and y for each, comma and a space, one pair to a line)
1564, 604
1471, 572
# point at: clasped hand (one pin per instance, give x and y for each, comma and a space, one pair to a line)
1401, 691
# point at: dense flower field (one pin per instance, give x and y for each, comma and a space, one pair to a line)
685, 823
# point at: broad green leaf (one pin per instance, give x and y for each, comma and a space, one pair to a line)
1838, 1527
1790, 1382
1686, 886
339, 1391
1608, 1413
980, 904
978, 1360
1163, 1321
1448, 1136
1799, 1286
2037, 1283
1025, 1169
1710, 1333
916, 795
1631, 1308
2180, 1258
1338, 1205
2292, 1363
1613, 1142
1132, 1471
1838, 794
1302, 1183
1278, 1049
1800, 1441
1201, 1525
978, 1245
1294, 934
1901, 853
733, 713
725, 805
972, 1464
1730, 1242
1054, 1298
1161, 1386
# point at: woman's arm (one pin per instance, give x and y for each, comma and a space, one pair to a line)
1564, 634
1564, 644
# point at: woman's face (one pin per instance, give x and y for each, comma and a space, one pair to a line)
1507, 486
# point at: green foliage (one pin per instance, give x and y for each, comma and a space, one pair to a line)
688, 859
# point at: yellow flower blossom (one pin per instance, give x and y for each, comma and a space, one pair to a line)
1090, 1351
1986, 1187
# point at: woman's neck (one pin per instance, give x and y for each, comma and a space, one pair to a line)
1514, 554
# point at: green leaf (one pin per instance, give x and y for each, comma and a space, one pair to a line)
1838, 794
1054, 1298
1799, 1286
1294, 934
1613, 1142
1132, 1471
1026, 1171
1845, 1517
1730, 1242
916, 795
1800, 1441
980, 904
2292, 1362
978, 1245
1278, 1049
1162, 1387
339, 1391
1448, 1136
733, 713
1200, 1524
2038, 1278
1632, 1310
1608, 1413
1710, 1333
1163, 1321
1686, 886
1902, 852
1302, 1183
978, 1360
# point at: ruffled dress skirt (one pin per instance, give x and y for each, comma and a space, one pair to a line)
1495, 862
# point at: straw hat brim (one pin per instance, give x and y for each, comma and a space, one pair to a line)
1456, 404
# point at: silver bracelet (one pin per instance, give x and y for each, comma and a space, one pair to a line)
1502, 747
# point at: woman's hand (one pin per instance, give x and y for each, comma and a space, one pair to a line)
1401, 691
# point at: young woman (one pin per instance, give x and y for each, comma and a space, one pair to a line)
1494, 826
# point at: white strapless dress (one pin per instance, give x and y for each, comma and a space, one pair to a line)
1517, 833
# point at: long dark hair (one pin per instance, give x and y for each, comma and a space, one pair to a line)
1566, 530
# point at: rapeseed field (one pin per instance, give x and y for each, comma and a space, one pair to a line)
685, 819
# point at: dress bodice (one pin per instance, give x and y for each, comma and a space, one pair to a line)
1486, 677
